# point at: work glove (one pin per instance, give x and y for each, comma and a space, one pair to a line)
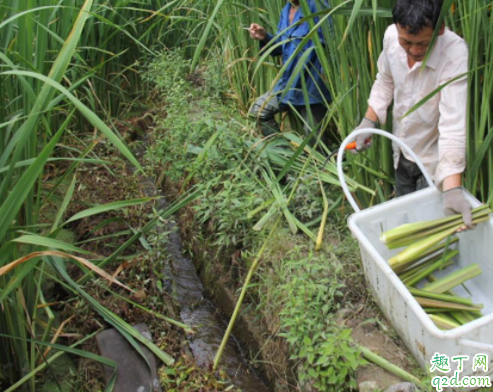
454, 202
361, 141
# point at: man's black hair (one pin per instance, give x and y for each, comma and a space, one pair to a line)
415, 15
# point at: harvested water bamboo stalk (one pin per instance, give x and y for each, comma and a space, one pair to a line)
454, 279
444, 322
418, 248
390, 367
435, 310
440, 264
412, 228
409, 239
440, 297
464, 317
433, 303
422, 267
411, 263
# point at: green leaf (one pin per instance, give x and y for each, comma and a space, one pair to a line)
65, 203
49, 243
108, 207
205, 35
11, 206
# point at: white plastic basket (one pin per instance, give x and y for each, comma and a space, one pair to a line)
410, 321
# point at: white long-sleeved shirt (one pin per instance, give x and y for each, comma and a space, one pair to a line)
436, 131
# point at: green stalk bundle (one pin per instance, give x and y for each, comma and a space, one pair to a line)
443, 321
420, 247
409, 233
454, 279
413, 265
406, 269
411, 228
442, 262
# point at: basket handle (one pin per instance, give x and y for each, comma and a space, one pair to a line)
395, 139
476, 345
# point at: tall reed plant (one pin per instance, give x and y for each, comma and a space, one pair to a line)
352, 43
66, 66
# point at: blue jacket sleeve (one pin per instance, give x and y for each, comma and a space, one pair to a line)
277, 51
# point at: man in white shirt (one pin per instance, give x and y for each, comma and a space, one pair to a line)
436, 131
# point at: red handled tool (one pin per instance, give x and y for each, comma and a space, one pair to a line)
350, 146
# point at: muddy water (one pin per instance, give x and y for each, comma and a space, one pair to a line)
200, 314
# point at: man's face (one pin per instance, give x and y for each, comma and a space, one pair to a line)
416, 45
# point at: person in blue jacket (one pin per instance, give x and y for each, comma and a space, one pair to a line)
289, 36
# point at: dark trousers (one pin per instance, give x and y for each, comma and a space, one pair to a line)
268, 105
408, 177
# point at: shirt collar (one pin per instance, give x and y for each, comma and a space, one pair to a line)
434, 58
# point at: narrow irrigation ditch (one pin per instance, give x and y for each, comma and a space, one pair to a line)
197, 310
199, 313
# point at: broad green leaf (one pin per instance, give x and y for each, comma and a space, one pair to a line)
109, 207
49, 243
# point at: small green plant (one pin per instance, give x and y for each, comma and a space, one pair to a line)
309, 297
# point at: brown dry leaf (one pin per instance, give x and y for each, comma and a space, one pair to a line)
9, 267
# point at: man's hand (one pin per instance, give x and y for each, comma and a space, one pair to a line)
454, 202
362, 142
257, 32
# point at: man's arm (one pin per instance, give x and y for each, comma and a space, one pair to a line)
382, 94
452, 127
371, 114
452, 181
452, 140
